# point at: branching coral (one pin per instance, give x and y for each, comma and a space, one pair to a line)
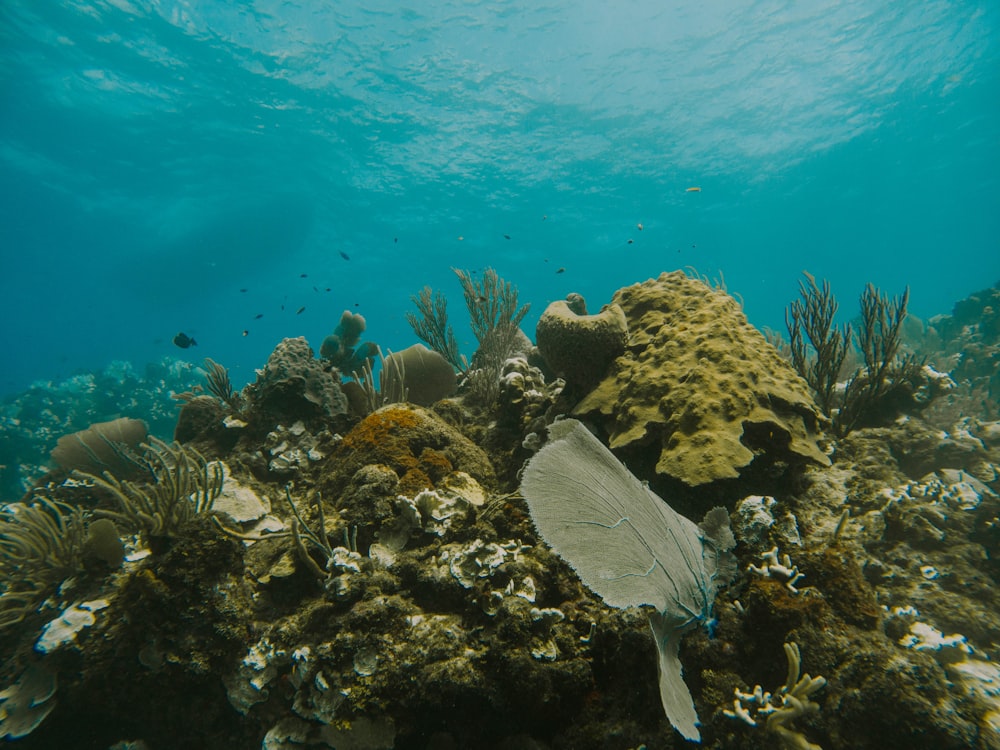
184, 485
780, 709
40, 545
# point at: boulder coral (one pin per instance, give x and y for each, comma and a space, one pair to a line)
416, 444
295, 385
702, 384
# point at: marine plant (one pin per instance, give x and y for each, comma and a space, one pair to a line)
183, 486
878, 338
885, 371
220, 386
496, 323
495, 318
811, 317
432, 327
41, 545
391, 382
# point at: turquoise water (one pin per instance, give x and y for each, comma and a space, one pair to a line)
156, 158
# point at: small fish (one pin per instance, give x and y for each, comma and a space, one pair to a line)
243, 290
561, 270
184, 341
328, 289
258, 316
344, 255
481, 298
506, 236
693, 190
300, 310
630, 242
246, 332
460, 238
357, 304
303, 275
282, 307
315, 288
639, 226
395, 240
544, 218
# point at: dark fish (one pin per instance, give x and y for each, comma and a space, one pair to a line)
395, 240
258, 316
561, 270
184, 341
328, 289
506, 236
242, 290
315, 288
344, 255
300, 310
303, 275
246, 332
630, 242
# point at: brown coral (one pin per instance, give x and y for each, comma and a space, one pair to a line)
414, 442
702, 383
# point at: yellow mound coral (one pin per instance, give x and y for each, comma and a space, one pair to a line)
698, 378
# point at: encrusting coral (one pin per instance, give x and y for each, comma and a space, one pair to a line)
702, 385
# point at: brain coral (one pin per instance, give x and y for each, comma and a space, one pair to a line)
703, 382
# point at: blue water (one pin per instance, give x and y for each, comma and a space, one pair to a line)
158, 157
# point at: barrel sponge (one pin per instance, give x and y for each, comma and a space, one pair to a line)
701, 385
577, 346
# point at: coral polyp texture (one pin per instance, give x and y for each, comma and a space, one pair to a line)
702, 384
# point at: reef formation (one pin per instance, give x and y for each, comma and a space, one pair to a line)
304, 571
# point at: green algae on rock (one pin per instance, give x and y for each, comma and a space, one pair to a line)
701, 383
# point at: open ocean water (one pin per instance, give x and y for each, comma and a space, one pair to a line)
159, 158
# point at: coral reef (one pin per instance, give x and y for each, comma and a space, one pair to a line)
32, 422
378, 582
700, 386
